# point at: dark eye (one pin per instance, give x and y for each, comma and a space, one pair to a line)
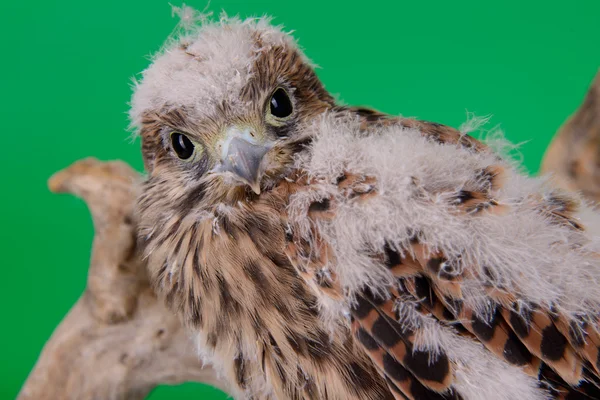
281, 106
182, 145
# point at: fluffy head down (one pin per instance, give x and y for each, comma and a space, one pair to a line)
215, 84
208, 66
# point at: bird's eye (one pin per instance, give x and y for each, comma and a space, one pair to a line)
182, 145
281, 105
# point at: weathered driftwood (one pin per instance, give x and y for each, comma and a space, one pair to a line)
118, 341
574, 154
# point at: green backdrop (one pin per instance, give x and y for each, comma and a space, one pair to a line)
65, 71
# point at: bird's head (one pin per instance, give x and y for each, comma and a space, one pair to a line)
222, 110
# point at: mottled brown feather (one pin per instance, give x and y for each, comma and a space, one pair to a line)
494, 331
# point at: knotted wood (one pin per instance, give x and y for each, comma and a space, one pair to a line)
573, 157
119, 342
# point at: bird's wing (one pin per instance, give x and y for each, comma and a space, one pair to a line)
434, 244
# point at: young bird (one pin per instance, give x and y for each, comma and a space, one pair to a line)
330, 252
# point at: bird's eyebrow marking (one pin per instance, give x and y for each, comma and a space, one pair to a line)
177, 119
175, 116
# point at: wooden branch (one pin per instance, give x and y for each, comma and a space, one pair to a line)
118, 341
574, 154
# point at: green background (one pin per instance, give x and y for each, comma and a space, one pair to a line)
65, 71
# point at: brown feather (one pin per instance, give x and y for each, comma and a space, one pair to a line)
378, 319
493, 333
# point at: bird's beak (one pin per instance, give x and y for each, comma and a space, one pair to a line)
242, 153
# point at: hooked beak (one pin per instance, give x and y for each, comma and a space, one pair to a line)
242, 155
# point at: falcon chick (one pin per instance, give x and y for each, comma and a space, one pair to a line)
322, 251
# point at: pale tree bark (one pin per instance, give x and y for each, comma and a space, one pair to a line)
573, 157
118, 341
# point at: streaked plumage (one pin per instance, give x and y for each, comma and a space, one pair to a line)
337, 252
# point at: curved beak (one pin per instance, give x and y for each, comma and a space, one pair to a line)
242, 155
